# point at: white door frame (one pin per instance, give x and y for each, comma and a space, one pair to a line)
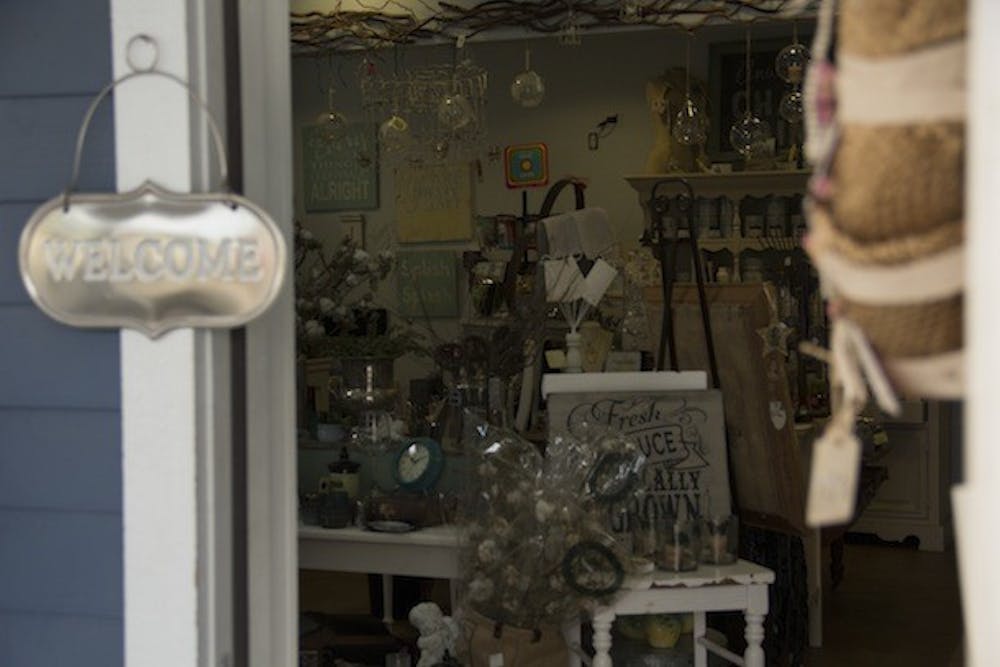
176, 418
265, 57
977, 499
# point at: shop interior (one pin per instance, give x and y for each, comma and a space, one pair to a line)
493, 207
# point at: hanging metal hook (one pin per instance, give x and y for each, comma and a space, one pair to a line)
140, 71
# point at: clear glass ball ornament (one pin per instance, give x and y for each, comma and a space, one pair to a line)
332, 125
690, 126
394, 133
749, 136
791, 63
441, 149
528, 89
454, 111
790, 107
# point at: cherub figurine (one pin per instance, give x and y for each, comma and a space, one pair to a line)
438, 633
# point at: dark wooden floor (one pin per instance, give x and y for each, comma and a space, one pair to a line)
896, 606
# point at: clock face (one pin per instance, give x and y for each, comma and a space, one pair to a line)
413, 462
418, 464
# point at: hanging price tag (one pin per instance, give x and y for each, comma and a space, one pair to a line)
833, 484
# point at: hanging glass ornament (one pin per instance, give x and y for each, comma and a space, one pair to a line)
790, 107
528, 88
332, 124
441, 149
749, 136
791, 63
690, 126
454, 111
394, 133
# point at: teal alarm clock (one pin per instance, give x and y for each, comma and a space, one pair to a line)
418, 464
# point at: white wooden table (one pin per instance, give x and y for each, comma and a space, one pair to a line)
741, 586
435, 553
429, 552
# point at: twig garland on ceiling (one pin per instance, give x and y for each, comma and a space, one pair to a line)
394, 22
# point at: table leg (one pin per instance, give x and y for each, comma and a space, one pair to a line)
387, 599
700, 652
812, 543
755, 614
571, 631
602, 637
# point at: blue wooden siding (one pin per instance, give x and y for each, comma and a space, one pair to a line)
60, 439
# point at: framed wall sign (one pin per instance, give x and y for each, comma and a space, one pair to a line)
428, 283
526, 165
727, 93
341, 173
434, 203
681, 433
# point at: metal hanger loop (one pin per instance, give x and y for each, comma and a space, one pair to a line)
138, 71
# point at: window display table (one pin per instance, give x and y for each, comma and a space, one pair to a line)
429, 552
741, 586
434, 552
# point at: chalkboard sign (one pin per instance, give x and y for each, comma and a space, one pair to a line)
340, 174
682, 434
727, 91
428, 283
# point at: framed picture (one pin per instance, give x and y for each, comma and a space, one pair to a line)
434, 203
340, 174
681, 433
428, 283
727, 92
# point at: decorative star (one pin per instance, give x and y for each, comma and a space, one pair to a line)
775, 336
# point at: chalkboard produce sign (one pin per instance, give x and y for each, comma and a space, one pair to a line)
340, 173
727, 91
682, 435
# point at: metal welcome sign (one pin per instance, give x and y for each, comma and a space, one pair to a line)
151, 259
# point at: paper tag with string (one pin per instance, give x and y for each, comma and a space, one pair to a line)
833, 482
597, 282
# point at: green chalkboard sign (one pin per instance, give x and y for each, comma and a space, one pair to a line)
428, 283
340, 173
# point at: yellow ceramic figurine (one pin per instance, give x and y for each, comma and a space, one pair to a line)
665, 96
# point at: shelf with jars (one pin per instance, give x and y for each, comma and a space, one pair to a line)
750, 227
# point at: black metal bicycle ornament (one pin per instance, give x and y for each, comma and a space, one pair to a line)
152, 259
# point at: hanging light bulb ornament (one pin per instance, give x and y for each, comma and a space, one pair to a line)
528, 88
690, 127
332, 123
454, 111
750, 135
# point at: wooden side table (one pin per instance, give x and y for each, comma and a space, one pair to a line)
741, 586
